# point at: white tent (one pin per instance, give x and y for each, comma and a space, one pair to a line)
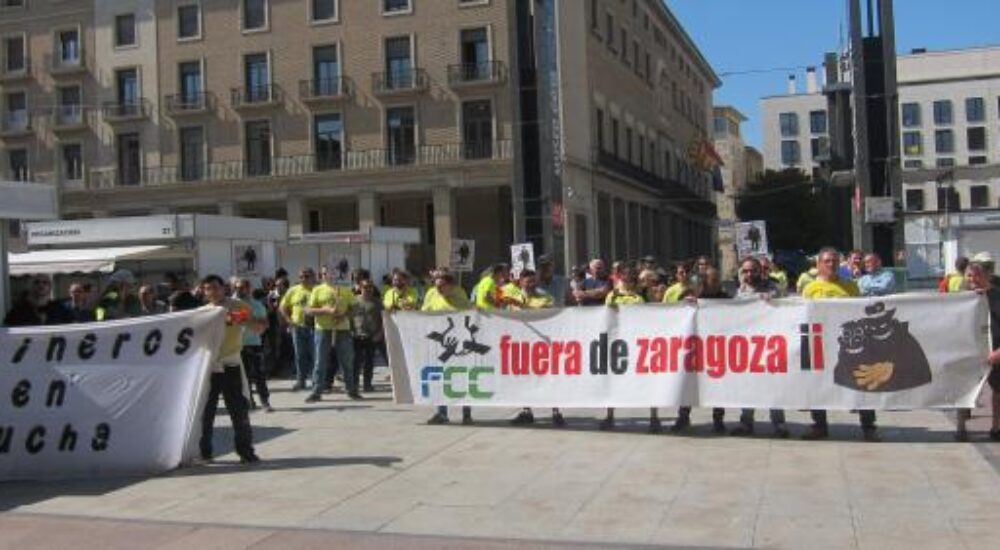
79, 260
21, 201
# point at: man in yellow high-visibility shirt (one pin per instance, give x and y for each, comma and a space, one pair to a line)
401, 296
331, 307
488, 295
293, 309
829, 286
446, 296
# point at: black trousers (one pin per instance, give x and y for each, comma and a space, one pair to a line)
718, 413
228, 384
253, 362
364, 359
867, 419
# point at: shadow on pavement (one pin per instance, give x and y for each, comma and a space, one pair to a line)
296, 463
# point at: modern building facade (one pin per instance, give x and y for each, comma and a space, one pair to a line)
338, 115
742, 165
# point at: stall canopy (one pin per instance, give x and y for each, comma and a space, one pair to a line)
81, 260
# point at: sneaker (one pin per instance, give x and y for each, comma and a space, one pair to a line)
368, 388
438, 418
268, 408
314, 398
249, 459
718, 427
523, 417
781, 432
816, 433
558, 420
466, 419
298, 386
607, 424
962, 436
655, 426
743, 430
681, 424
871, 435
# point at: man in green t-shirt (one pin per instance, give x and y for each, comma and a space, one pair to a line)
330, 307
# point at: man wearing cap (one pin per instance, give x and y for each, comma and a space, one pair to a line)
293, 309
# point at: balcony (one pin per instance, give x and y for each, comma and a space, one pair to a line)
190, 104
303, 166
400, 83
11, 71
68, 118
477, 75
255, 97
116, 112
65, 66
16, 124
697, 196
326, 91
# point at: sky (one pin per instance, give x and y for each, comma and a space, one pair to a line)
756, 35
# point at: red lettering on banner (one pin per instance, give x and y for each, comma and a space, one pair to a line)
557, 349
758, 343
540, 359
777, 355
715, 356
738, 354
640, 366
817, 346
658, 355
694, 361
675, 349
574, 358
505, 355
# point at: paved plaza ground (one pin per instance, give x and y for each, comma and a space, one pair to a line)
371, 474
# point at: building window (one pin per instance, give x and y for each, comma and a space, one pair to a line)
976, 138
192, 153
609, 31
720, 126
628, 144
642, 152
477, 129
790, 153
398, 63
127, 90
913, 164
258, 148
125, 30
599, 123
328, 135
475, 54
977, 160
635, 56
429, 228
911, 115
948, 200
820, 148
914, 200
326, 71
16, 111
945, 162
69, 110
72, 162
979, 196
257, 78
315, 221
190, 81
615, 138
623, 44
594, 11
323, 10
129, 159
17, 164
912, 144
11, 3
789, 123
401, 136
942, 112
14, 58
649, 69
975, 109
254, 15
189, 21
68, 46
817, 122
944, 141
391, 7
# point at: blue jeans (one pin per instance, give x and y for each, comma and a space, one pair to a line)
343, 345
302, 341
321, 358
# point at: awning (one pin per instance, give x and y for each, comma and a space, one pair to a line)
79, 260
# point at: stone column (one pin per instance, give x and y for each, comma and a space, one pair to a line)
367, 211
444, 223
296, 217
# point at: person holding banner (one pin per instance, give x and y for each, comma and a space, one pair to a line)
401, 296
681, 287
227, 375
487, 292
330, 307
626, 293
829, 286
293, 309
978, 279
446, 296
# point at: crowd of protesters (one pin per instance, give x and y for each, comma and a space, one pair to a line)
319, 330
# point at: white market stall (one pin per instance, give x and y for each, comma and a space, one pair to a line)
377, 249
189, 245
21, 201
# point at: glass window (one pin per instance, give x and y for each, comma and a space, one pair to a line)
914, 200
820, 148
192, 153
948, 199
72, 162
70, 108
912, 144
326, 71
127, 88
979, 196
257, 78
14, 59
817, 122
975, 109
721, 126
258, 148
623, 44
15, 111
395, 6
599, 123
17, 164
69, 47
628, 144
790, 152
475, 54
129, 161
976, 138
329, 139
911, 115
324, 10
254, 14
188, 21
398, 65
401, 135
942, 112
913, 164
977, 160
477, 129
125, 30
789, 123
944, 141
615, 137
190, 83
945, 162
609, 31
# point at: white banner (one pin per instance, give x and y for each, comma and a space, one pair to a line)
116, 398
908, 351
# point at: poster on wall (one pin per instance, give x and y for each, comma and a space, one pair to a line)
751, 239
246, 257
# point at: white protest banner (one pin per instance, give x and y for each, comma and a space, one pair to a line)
115, 398
908, 351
